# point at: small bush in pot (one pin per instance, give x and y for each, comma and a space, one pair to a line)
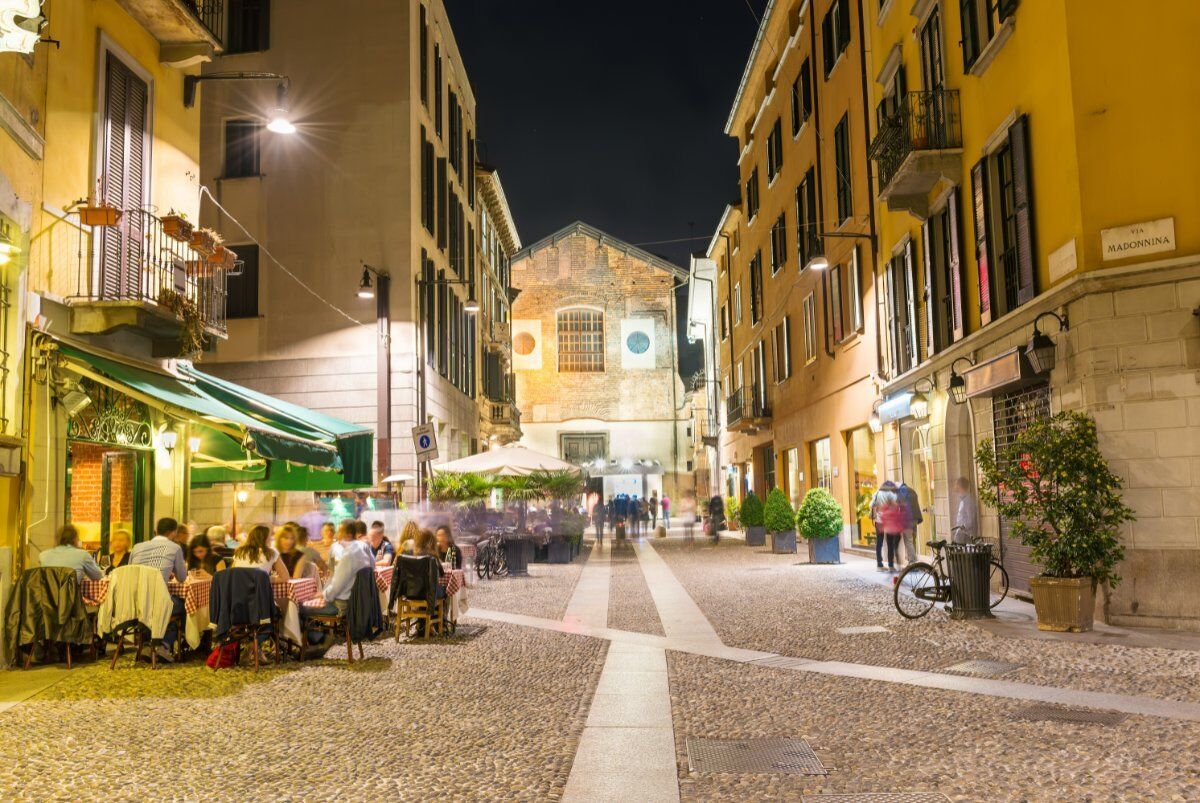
820, 522
733, 509
751, 517
1056, 491
780, 521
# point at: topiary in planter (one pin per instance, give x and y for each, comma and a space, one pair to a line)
751, 517
820, 522
780, 521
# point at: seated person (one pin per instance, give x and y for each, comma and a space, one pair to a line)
408, 537
255, 554
447, 550
325, 545
381, 547
202, 561
352, 560
287, 544
426, 545
313, 555
162, 552
120, 545
67, 554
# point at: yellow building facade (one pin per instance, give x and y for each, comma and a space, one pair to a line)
794, 322
1024, 166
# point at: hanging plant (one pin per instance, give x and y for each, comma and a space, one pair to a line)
206, 241
95, 211
176, 226
191, 336
222, 258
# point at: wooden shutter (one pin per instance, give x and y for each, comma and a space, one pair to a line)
1007, 8
891, 313
957, 326
979, 191
827, 42
835, 302
123, 180
1018, 139
928, 292
910, 299
970, 48
843, 20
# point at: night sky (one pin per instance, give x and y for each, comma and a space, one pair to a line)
611, 113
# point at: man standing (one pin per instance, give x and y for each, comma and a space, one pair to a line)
653, 502
966, 520
599, 511
164, 553
912, 505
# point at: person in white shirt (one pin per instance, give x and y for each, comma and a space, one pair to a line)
256, 554
355, 556
68, 555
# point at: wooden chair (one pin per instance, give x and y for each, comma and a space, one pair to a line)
411, 612
414, 595
237, 596
337, 626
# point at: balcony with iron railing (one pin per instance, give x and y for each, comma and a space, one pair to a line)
747, 410
188, 31
134, 274
919, 142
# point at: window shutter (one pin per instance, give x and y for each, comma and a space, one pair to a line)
827, 42
123, 186
835, 303
910, 300
969, 47
843, 19
1018, 138
928, 294
978, 189
958, 327
1008, 8
894, 311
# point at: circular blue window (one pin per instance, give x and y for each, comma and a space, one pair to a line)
638, 342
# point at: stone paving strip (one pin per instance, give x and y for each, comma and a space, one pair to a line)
497, 715
630, 605
589, 598
759, 601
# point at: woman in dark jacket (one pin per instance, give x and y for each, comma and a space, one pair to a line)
447, 550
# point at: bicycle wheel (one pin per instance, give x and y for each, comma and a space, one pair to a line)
998, 584
499, 562
917, 589
481, 562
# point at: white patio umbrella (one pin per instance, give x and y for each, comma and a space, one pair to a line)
512, 460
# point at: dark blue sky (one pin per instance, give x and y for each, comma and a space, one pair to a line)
610, 112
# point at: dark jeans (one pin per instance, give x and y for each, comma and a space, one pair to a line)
879, 539
172, 632
893, 546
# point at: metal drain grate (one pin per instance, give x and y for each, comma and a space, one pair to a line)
854, 631
781, 662
1041, 712
754, 756
877, 797
991, 669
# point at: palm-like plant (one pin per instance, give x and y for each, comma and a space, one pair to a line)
559, 485
522, 490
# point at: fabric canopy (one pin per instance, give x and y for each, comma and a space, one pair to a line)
245, 436
512, 460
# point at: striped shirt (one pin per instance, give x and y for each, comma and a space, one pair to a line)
160, 553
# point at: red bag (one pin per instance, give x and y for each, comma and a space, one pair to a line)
223, 657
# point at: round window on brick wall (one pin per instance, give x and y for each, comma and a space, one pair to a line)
637, 342
523, 344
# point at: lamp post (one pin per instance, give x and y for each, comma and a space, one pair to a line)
380, 290
280, 120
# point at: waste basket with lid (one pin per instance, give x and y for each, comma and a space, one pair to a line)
970, 580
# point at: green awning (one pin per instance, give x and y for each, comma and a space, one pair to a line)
275, 438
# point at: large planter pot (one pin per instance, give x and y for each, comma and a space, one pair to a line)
756, 536
1064, 604
559, 551
783, 543
824, 550
517, 552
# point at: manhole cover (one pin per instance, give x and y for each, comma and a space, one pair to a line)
1040, 712
754, 756
854, 631
878, 797
986, 668
781, 662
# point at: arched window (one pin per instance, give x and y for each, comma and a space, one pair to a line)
580, 340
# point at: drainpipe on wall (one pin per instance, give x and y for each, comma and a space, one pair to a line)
383, 375
862, 55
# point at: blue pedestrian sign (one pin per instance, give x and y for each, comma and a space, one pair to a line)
425, 442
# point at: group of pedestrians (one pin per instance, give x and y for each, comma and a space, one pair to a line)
632, 512
896, 512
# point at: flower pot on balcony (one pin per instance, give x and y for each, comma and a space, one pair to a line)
1064, 604
203, 243
222, 258
102, 215
175, 227
783, 543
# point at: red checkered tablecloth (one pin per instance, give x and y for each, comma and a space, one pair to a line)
298, 591
194, 592
383, 578
453, 580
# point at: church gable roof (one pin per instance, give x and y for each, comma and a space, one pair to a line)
604, 238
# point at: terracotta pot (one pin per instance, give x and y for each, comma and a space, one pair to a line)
1064, 604
203, 243
177, 228
99, 215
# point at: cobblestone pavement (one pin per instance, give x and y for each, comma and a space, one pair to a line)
771, 602
545, 592
496, 715
630, 606
877, 737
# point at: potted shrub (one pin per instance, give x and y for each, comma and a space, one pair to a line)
751, 517
820, 522
780, 521
1063, 502
732, 510
95, 211
176, 226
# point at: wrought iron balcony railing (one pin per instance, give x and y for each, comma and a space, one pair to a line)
745, 404
137, 261
211, 14
921, 121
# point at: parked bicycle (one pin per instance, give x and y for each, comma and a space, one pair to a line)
490, 560
922, 585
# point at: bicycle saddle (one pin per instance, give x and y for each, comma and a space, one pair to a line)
936, 545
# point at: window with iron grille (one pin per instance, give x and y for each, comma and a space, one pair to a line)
841, 146
1012, 413
779, 243
580, 341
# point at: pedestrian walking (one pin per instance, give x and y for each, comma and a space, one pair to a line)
635, 516
716, 517
653, 509
890, 518
665, 504
966, 520
912, 506
599, 514
687, 511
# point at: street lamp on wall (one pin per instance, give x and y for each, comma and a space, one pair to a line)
875, 422
918, 405
1040, 351
958, 383
279, 121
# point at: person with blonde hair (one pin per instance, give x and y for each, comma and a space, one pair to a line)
408, 538
287, 544
257, 554
120, 546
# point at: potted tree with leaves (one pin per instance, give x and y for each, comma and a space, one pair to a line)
1055, 489
820, 522
780, 521
751, 517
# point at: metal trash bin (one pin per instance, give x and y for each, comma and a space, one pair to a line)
970, 580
